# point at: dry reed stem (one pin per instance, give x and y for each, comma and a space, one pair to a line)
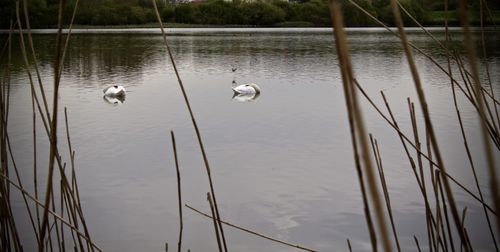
18, 177
353, 107
412, 163
4, 234
469, 97
378, 161
66, 43
477, 86
193, 120
7, 223
427, 157
53, 128
438, 228
35, 62
445, 209
359, 171
55, 215
216, 222
252, 232
462, 130
467, 244
73, 190
430, 219
179, 194
413, 119
426, 113
416, 242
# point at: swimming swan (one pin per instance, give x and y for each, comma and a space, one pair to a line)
115, 91
251, 88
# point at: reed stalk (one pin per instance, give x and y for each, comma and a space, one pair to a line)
33, 54
387, 198
53, 128
53, 214
353, 108
462, 130
215, 220
416, 243
193, 120
179, 194
426, 113
477, 87
253, 232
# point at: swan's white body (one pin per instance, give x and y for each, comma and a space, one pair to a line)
251, 88
115, 91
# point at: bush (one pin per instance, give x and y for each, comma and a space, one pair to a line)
218, 12
260, 13
354, 17
185, 13
413, 7
167, 14
316, 12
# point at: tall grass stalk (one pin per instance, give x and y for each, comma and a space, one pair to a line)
179, 191
53, 128
193, 120
426, 113
254, 232
471, 54
357, 122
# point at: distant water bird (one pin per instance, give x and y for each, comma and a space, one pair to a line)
115, 91
234, 69
246, 89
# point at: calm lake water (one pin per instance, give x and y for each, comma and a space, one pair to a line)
282, 163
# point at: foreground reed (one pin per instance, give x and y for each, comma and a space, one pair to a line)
58, 221
440, 233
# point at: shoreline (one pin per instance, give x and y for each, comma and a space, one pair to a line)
226, 30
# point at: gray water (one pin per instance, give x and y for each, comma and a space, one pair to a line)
282, 163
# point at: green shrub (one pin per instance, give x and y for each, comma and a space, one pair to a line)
260, 13
413, 7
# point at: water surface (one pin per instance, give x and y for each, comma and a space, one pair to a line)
282, 163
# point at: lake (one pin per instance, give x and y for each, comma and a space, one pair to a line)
282, 163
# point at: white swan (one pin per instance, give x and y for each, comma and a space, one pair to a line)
115, 91
250, 88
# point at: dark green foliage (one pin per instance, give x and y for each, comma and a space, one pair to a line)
185, 13
316, 12
260, 13
167, 14
354, 17
218, 12
43, 13
413, 7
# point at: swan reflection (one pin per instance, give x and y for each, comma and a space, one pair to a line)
245, 97
114, 100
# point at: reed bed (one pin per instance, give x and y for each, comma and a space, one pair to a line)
57, 218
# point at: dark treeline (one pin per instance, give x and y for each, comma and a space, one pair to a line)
43, 13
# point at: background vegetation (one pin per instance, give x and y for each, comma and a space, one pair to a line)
265, 13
